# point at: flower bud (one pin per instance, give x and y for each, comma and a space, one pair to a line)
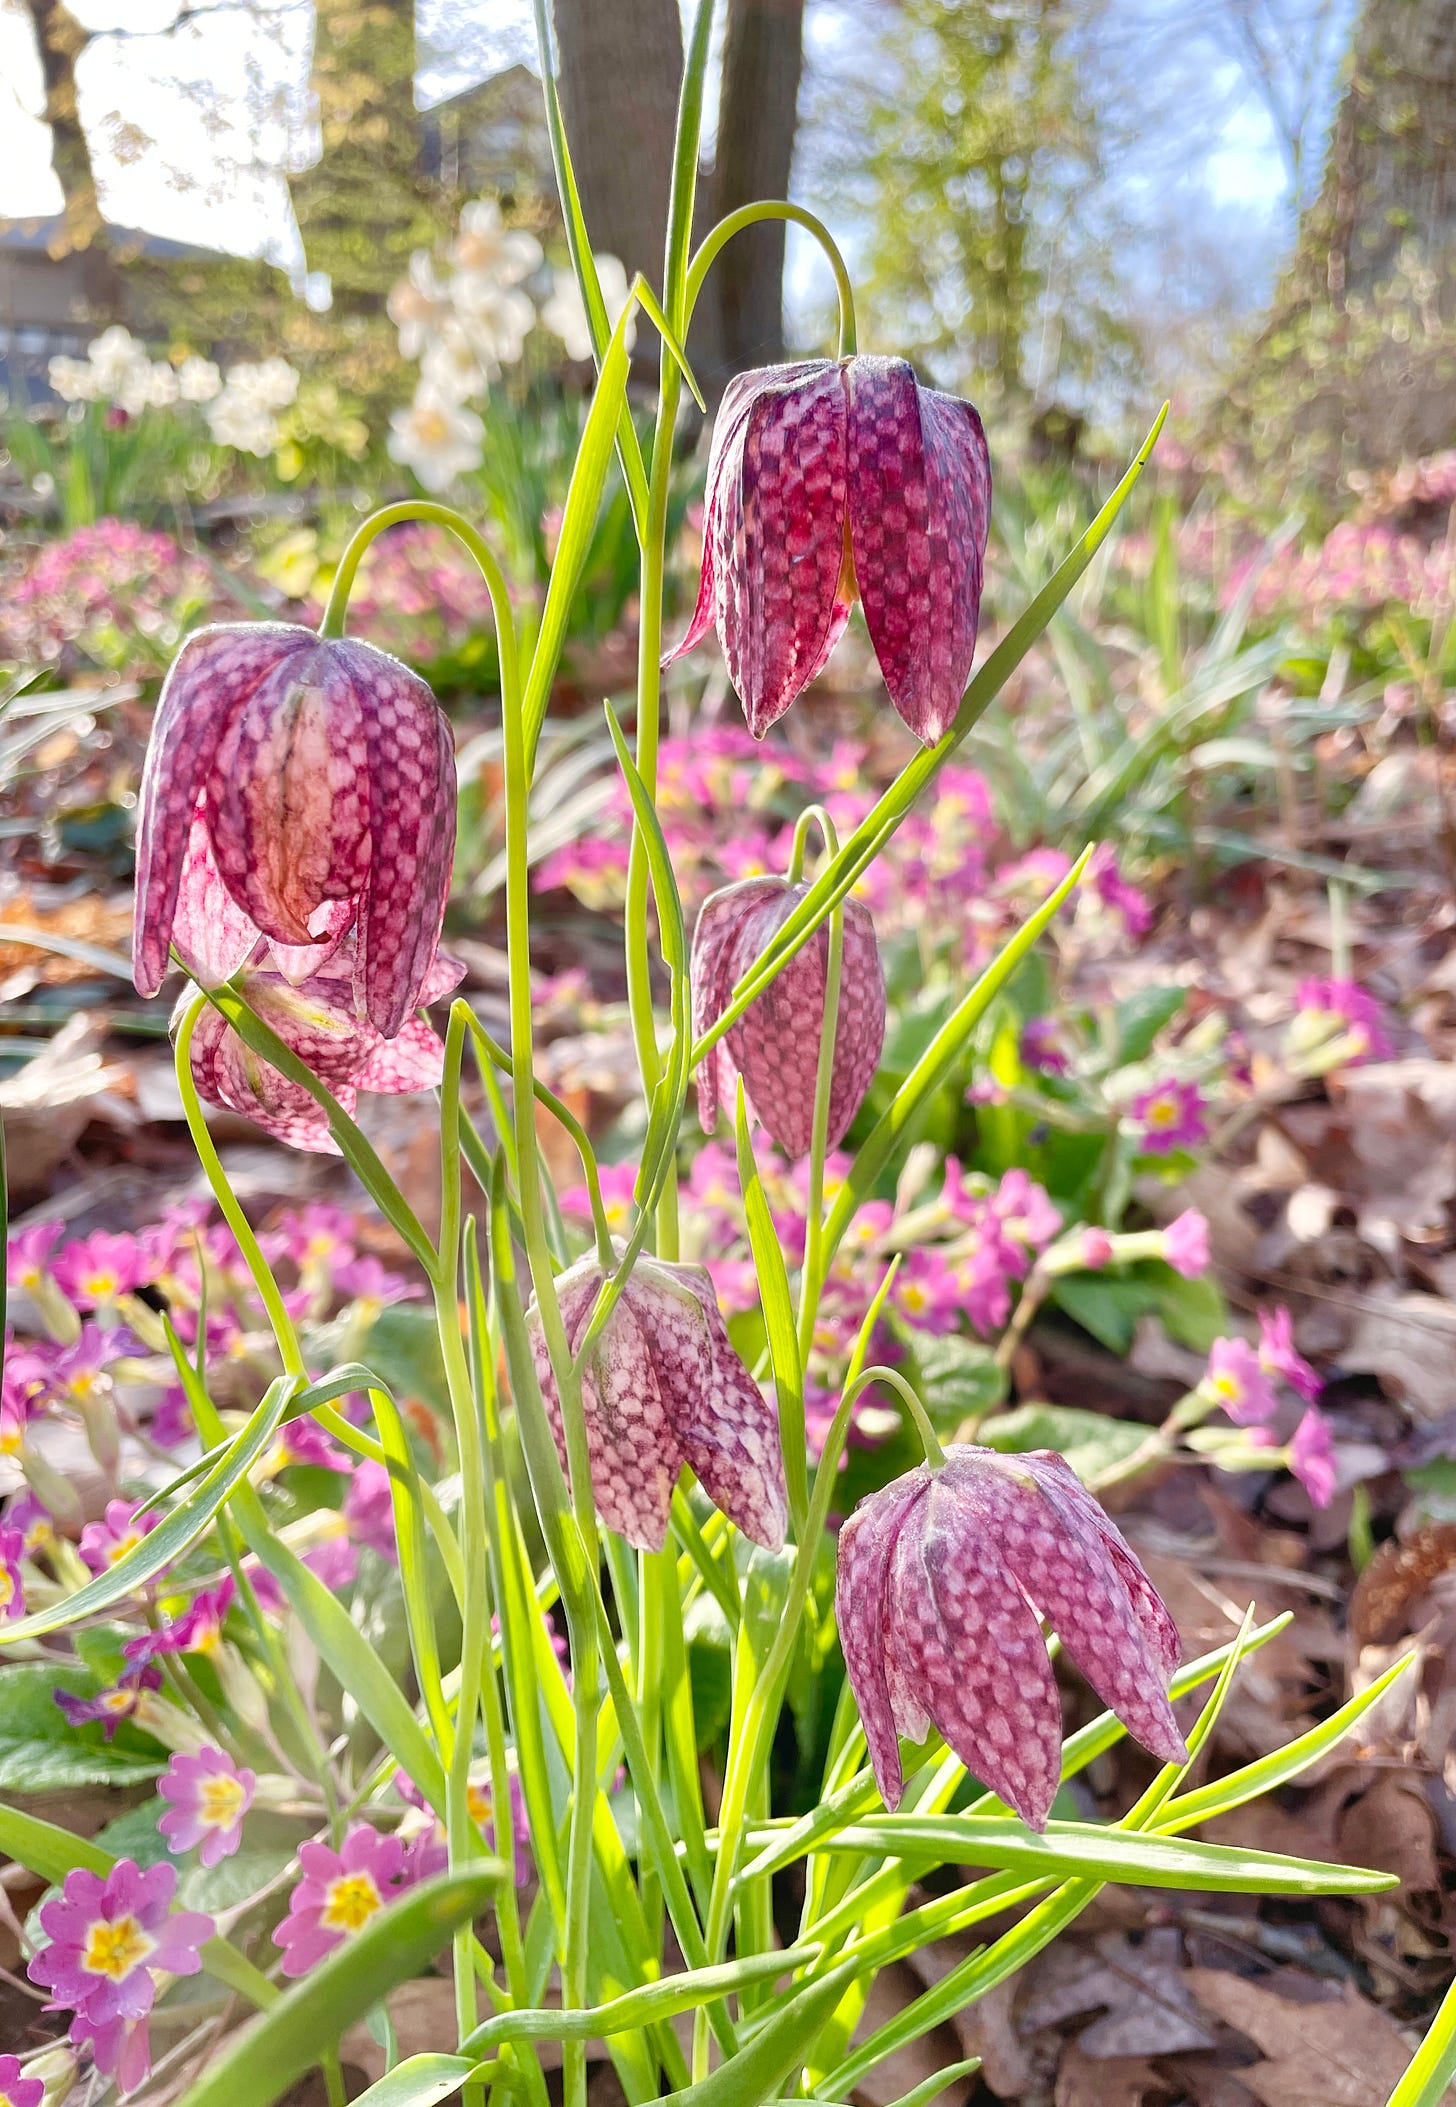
774, 1045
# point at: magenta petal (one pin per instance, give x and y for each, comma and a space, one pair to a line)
289, 794
780, 542
919, 509
973, 1647
331, 923
775, 1043
412, 792
212, 934
414, 1059
861, 1612
213, 676
711, 970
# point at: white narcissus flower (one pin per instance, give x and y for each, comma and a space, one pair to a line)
496, 318
452, 366
418, 305
234, 421
198, 380
436, 437
267, 384
115, 357
486, 247
564, 314
73, 379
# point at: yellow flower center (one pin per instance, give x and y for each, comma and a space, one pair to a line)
1162, 1112
1228, 1387
433, 427
100, 1286
477, 1801
122, 1545
116, 1948
220, 1802
118, 1700
7, 1587
353, 1900
11, 1437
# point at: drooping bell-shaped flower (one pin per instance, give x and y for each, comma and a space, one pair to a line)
774, 1045
943, 1579
662, 1387
297, 787
828, 478
316, 1020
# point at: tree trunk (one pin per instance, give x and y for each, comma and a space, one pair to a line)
60, 40
763, 61
1391, 175
364, 204
620, 73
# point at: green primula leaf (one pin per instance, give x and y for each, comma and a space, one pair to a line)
40, 1751
1090, 1441
1139, 1018
1193, 1312
958, 1378
265, 2059
1107, 1305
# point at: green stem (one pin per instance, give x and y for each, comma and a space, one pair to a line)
445, 516
750, 216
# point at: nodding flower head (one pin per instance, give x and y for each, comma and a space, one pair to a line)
316, 1020
774, 1045
830, 479
296, 787
662, 1387
944, 1577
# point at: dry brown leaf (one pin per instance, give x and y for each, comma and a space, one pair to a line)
1396, 1577
892, 1989
1391, 1825
1345, 2053
89, 920
1123, 2081
1140, 1986
1409, 1342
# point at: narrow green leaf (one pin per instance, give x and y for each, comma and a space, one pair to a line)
260, 2063
51, 1853
1077, 1849
347, 1652
931, 2088
419, 2081
578, 519
176, 1533
758, 2071
1433, 2067
778, 1317
640, 2007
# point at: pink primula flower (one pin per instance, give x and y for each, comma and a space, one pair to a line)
208, 1795
1312, 1456
1170, 1116
125, 1524
340, 1892
1185, 1244
16, 2090
12, 1585
1343, 1010
1236, 1379
1277, 1355
108, 1941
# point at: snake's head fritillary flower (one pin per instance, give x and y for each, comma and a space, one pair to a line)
829, 479
340, 1892
108, 1941
1278, 1356
16, 2090
295, 787
774, 1045
1239, 1384
208, 1795
1170, 1116
944, 1576
661, 1387
1185, 1244
316, 1020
